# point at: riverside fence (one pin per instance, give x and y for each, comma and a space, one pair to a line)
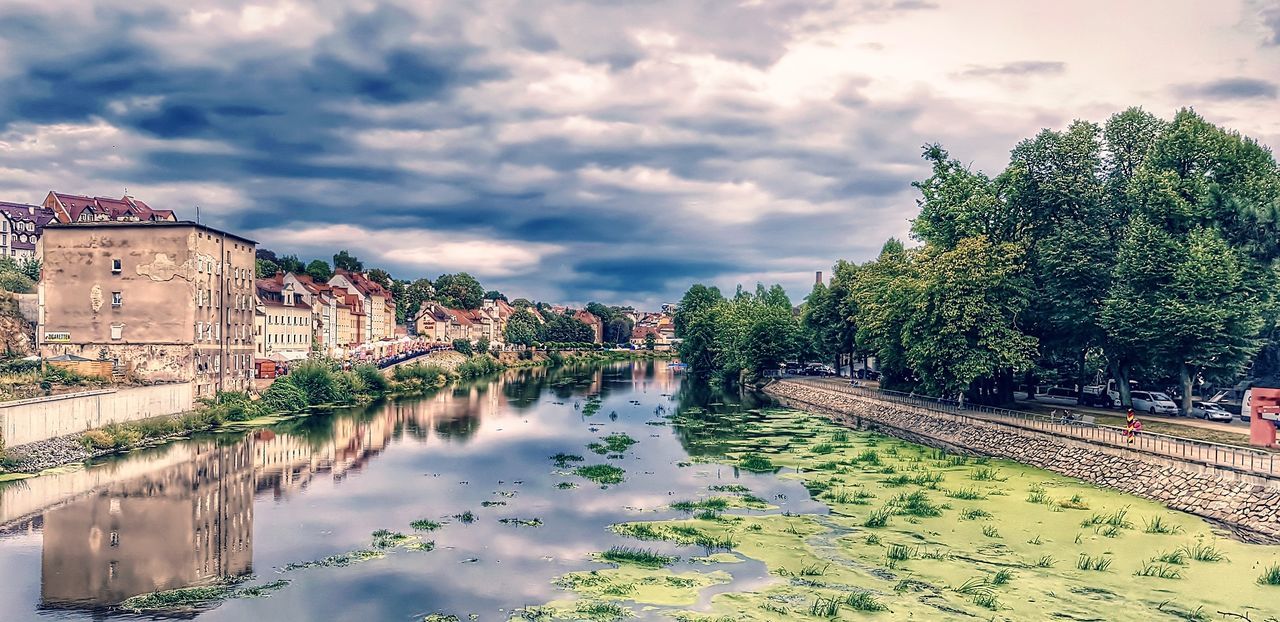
1244, 459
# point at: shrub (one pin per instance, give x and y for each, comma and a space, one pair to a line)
316, 381
284, 397
462, 346
374, 381
480, 365
97, 439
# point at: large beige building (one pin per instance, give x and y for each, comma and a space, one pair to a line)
377, 303
283, 325
165, 301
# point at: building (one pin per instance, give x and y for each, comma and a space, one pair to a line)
165, 301
377, 303
324, 309
69, 208
20, 229
596, 324
352, 321
283, 322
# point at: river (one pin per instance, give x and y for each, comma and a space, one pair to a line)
292, 508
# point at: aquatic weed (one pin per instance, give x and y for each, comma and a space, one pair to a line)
862, 600
967, 494
1100, 563
986, 474
1270, 576
601, 473
1158, 525
644, 558
1202, 552
899, 553
825, 607
423, 524
1177, 557
1002, 577
756, 463
974, 513
1162, 571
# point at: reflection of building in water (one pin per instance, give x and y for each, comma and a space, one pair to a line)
650, 376
187, 524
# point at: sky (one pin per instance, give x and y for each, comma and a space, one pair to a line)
615, 150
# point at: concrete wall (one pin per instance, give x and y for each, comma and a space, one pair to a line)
42, 418
1248, 503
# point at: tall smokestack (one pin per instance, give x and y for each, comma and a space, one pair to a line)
818, 279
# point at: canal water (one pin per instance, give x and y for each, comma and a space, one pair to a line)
248, 504
451, 505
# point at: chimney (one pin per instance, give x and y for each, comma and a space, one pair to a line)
818, 280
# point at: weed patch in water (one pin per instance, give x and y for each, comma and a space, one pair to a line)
862, 600
522, 522
489, 504
1161, 571
1202, 552
967, 494
718, 504
466, 517
562, 460
566, 485
1270, 576
915, 504
733, 488
756, 464
899, 553
423, 524
1046, 561
603, 474
340, 560
643, 558
386, 539
990, 532
1002, 577
1160, 526
823, 449
1118, 519
974, 514
986, 474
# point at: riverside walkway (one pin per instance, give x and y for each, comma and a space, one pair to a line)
1253, 461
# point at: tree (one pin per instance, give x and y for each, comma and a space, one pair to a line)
30, 267
482, 345
291, 264
462, 346
346, 261
319, 270
415, 294
267, 254
650, 341
494, 294
379, 276
618, 330
522, 328
265, 268
459, 291
564, 328
521, 302
697, 299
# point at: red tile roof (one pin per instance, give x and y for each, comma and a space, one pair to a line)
125, 207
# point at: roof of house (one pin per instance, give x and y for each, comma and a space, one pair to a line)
127, 224
364, 284
35, 215
113, 209
640, 332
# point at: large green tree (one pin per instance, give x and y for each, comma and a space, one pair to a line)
461, 291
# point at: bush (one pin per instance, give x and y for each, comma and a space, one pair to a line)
284, 397
96, 439
421, 373
462, 346
374, 380
16, 282
316, 381
480, 365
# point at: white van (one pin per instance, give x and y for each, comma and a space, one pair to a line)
1153, 402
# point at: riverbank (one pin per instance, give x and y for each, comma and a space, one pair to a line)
1246, 500
304, 392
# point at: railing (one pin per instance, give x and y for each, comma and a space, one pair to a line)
1239, 458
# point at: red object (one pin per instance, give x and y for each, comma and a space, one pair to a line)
1262, 432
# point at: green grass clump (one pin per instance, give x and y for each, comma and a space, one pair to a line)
523, 522
637, 557
423, 524
601, 473
967, 494
734, 488
1177, 557
915, 504
566, 485
823, 449
974, 514
1100, 563
974, 587
990, 532
183, 598
562, 460
869, 457
1076, 502
615, 443
840, 437
718, 504
1161, 571
1002, 577
862, 600
756, 463
1046, 561
1158, 525
1118, 519
825, 607
854, 497
1202, 552
878, 518
899, 553
385, 539
985, 474
466, 517
1270, 576
1037, 494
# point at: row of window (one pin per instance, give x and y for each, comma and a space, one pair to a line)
289, 320
18, 226
210, 331
213, 362
287, 338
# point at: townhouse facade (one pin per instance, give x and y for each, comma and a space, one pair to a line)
377, 304
20, 228
438, 323
284, 327
164, 301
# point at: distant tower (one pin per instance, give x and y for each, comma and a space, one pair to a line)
818, 279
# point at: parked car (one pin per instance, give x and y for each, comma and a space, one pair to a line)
1211, 412
1246, 406
1058, 395
866, 374
1096, 396
819, 369
1153, 402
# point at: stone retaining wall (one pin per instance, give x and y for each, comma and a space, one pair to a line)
42, 418
1247, 503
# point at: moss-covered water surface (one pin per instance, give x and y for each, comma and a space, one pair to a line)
918, 533
598, 493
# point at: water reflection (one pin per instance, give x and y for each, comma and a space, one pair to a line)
183, 525
184, 514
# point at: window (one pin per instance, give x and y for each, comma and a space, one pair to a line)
117, 331
117, 299
115, 266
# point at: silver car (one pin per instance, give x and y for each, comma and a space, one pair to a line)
1211, 412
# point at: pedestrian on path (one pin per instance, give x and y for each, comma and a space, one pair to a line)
1131, 427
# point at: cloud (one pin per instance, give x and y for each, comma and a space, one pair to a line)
1016, 69
581, 150
1231, 88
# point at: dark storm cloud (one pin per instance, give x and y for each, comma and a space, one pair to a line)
1231, 88
1016, 69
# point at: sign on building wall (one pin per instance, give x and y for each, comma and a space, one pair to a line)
57, 337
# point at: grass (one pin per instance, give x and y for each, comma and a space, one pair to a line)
814, 570
1037, 495
562, 460
1100, 563
615, 443
986, 474
643, 558
987, 601
862, 600
1177, 557
967, 494
184, 598
601, 473
825, 607
756, 463
523, 522
974, 587
878, 518
823, 449
915, 504
1270, 576
1046, 561
855, 497
385, 539
1002, 577
1161, 571
466, 517
718, 504
990, 531
733, 488
899, 553
1158, 525
566, 485
1202, 552
1118, 519
423, 524
1076, 502
974, 514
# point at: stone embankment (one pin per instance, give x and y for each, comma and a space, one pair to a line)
1247, 504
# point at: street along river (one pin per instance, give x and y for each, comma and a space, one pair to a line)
599, 493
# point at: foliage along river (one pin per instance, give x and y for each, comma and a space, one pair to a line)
279, 522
